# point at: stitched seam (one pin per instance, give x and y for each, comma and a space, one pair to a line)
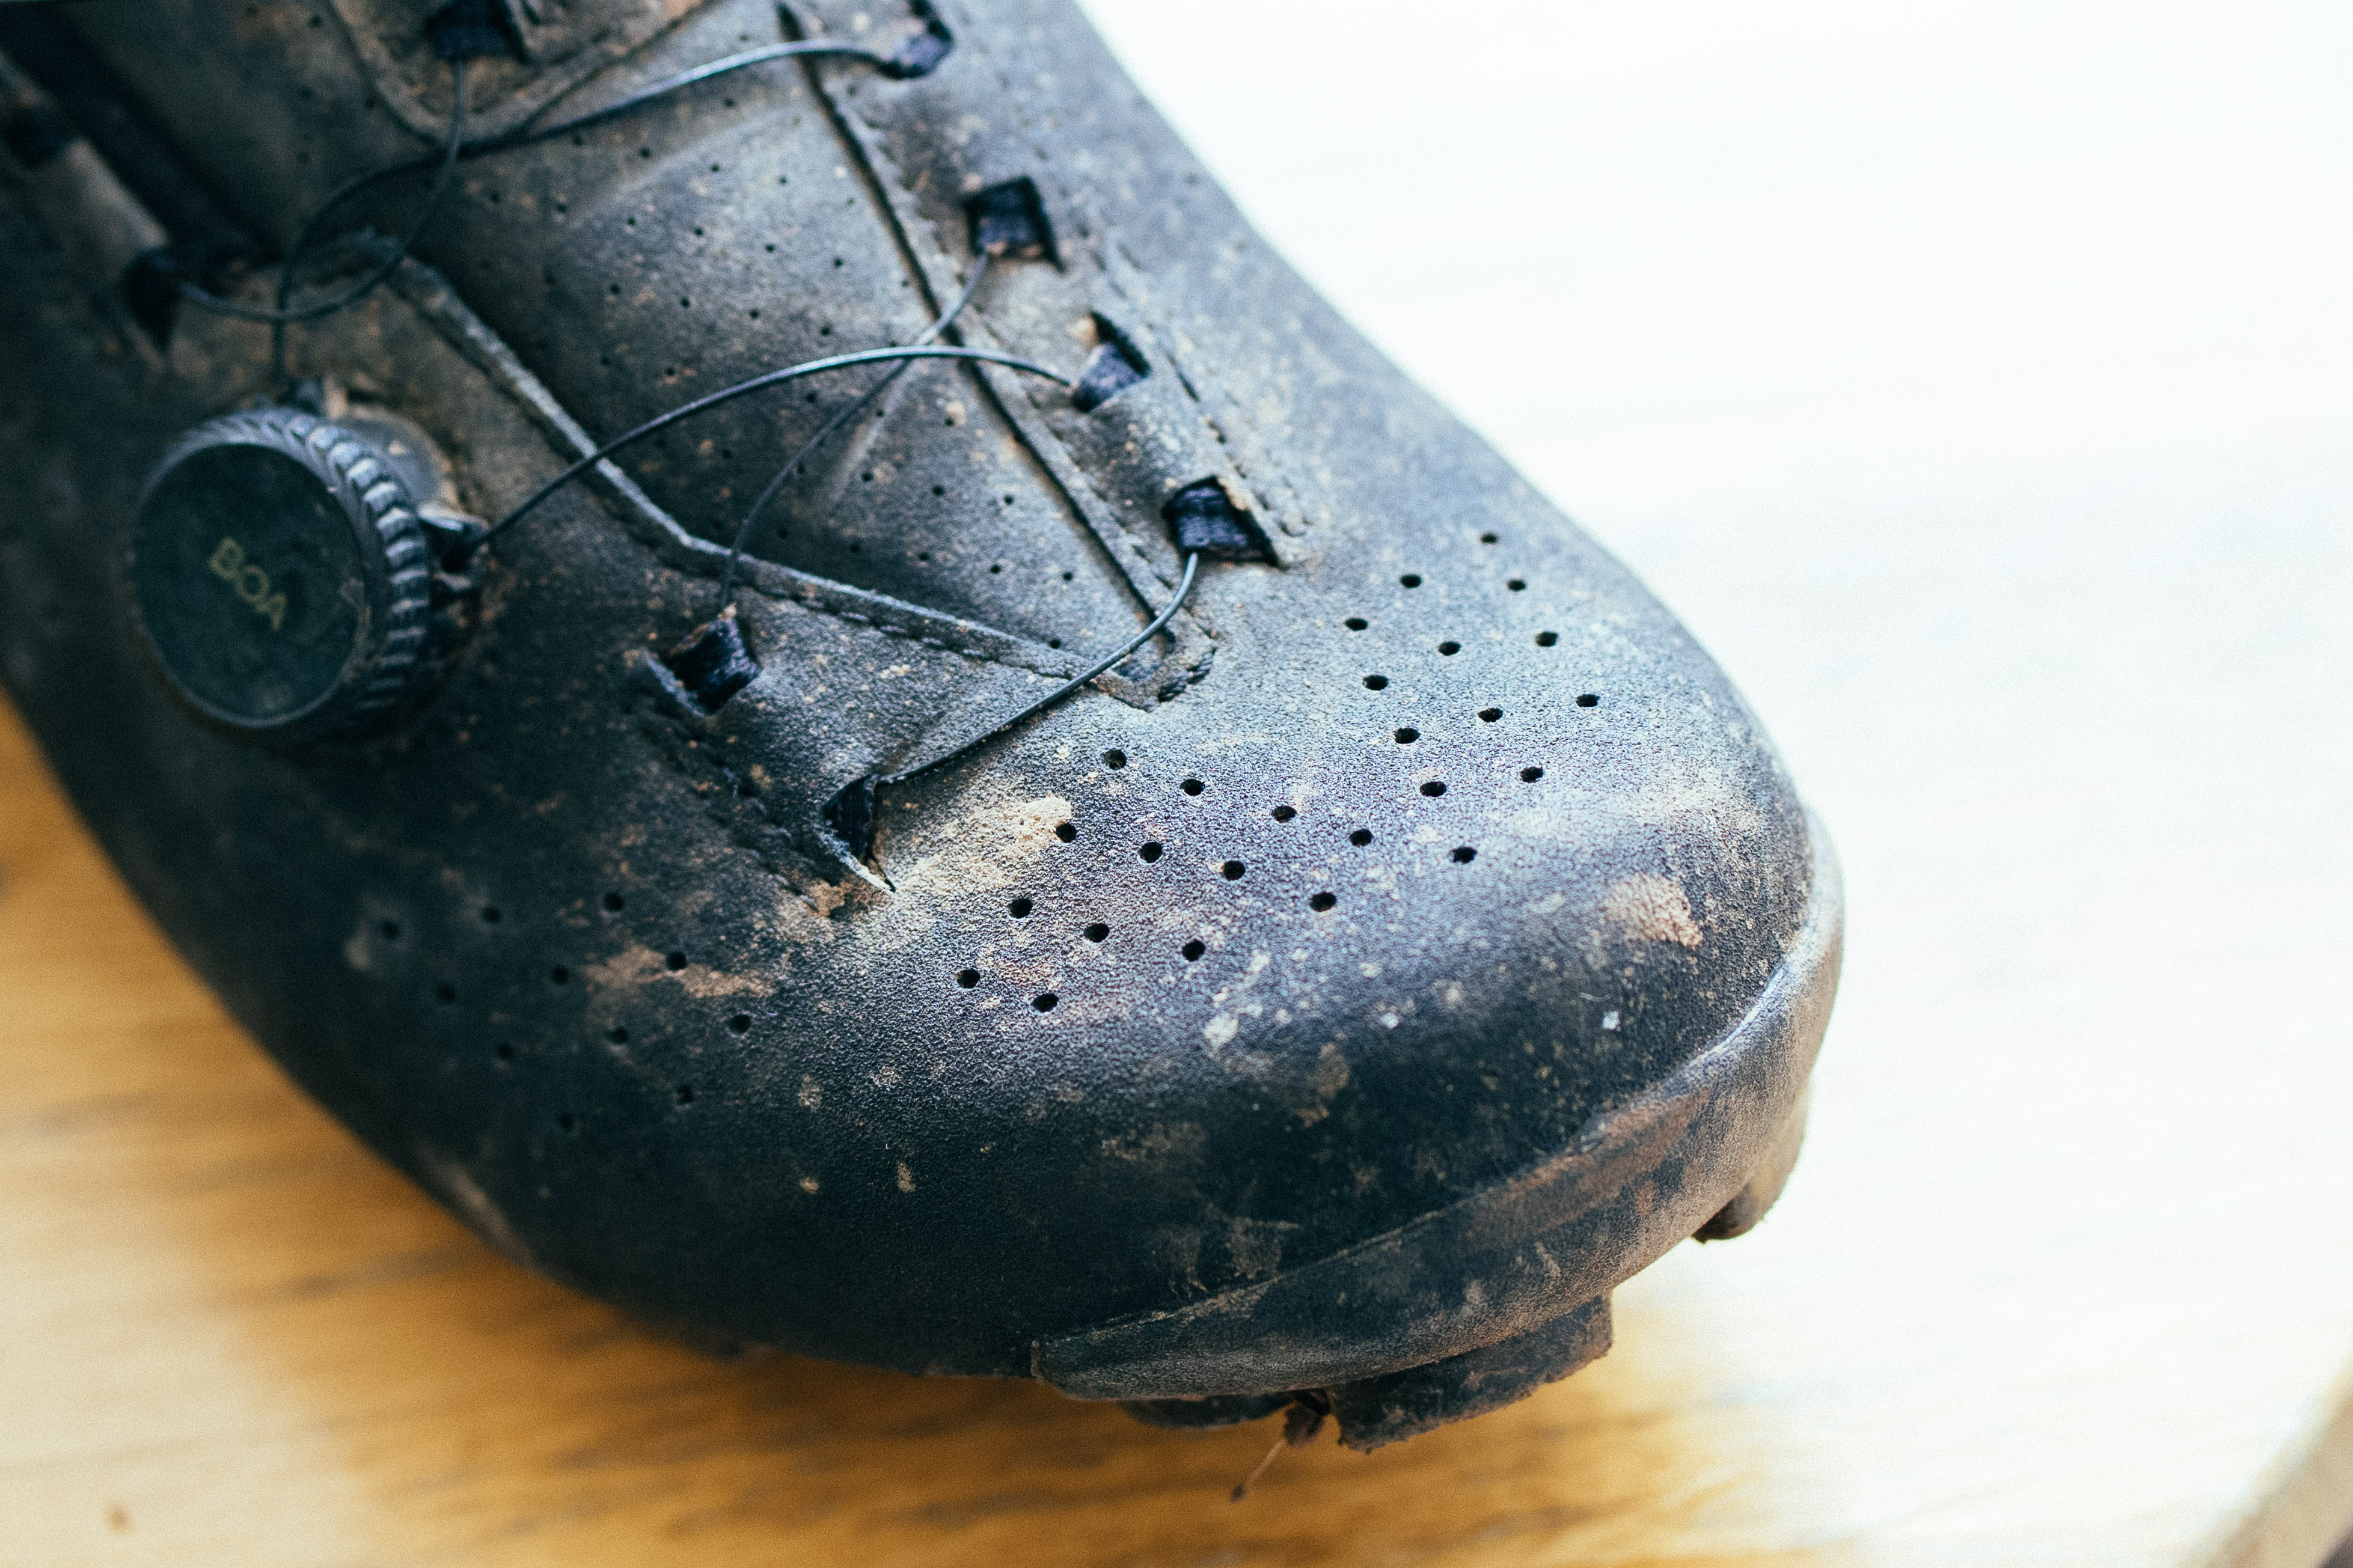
1047, 170
768, 841
853, 618
432, 297
1103, 238
529, 92
887, 176
1227, 410
864, 138
885, 172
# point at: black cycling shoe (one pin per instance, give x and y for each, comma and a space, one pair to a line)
1409, 935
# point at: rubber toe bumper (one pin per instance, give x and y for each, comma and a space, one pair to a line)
1516, 1257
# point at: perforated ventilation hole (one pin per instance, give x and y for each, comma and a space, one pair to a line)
675, 962
1149, 851
617, 1035
1192, 786
1115, 760
1019, 909
1194, 949
1449, 649
740, 1024
1096, 933
568, 1122
1587, 701
1408, 736
1044, 1001
1282, 813
1356, 623
391, 930
1465, 854
1433, 789
615, 904
1489, 715
968, 978
1487, 539
1066, 832
503, 1051
558, 975
445, 993
1376, 683
686, 1094
1233, 870
1411, 580
1517, 586
491, 915
1362, 836
1530, 775
1323, 901
1546, 639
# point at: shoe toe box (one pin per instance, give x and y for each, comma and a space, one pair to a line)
1167, 1004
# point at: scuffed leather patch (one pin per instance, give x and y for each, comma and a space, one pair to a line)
563, 43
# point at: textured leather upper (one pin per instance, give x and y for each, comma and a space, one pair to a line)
1413, 850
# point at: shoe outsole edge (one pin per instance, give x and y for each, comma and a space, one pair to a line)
1516, 1256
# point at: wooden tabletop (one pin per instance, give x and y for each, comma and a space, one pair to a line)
2055, 639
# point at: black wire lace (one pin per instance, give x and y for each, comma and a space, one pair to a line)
281, 313
284, 312
456, 149
851, 816
745, 389
922, 350
1158, 623
793, 465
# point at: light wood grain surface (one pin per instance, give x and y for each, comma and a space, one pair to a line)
2055, 631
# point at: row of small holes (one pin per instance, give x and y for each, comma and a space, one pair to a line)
1116, 760
560, 976
570, 1124
1584, 699
1234, 871
1413, 580
1450, 647
1194, 949
739, 1024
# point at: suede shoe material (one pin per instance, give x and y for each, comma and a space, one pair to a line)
1417, 939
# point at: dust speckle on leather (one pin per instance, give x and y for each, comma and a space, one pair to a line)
1653, 909
639, 965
